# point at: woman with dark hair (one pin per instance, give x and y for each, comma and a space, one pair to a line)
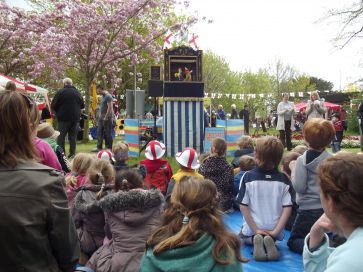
131, 214
36, 230
341, 192
192, 236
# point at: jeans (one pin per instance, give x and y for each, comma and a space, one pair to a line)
71, 128
247, 128
285, 135
335, 146
104, 129
305, 219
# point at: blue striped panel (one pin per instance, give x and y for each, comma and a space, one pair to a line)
180, 132
187, 124
194, 123
172, 129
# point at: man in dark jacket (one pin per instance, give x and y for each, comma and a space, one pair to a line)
67, 105
245, 115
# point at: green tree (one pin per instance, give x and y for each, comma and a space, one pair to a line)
321, 84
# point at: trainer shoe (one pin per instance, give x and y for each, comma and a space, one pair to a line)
259, 253
272, 252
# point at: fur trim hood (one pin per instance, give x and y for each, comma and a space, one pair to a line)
86, 200
133, 199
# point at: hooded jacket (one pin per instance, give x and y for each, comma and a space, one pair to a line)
152, 166
130, 217
220, 172
196, 257
89, 218
305, 182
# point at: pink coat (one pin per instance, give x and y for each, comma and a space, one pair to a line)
71, 190
46, 154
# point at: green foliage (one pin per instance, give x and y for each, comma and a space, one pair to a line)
321, 84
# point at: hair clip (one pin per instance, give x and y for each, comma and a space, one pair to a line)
75, 174
185, 219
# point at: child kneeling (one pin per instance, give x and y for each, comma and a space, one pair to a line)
265, 200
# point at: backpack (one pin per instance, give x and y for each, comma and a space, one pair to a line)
158, 179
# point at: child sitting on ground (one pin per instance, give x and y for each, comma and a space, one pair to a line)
192, 236
120, 152
318, 134
245, 163
131, 213
217, 169
265, 200
88, 216
245, 145
188, 162
77, 177
158, 171
287, 158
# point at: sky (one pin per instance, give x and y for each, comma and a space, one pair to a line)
253, 34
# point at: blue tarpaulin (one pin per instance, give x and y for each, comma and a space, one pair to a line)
289, 261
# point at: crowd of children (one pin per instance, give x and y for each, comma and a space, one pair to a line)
117, 207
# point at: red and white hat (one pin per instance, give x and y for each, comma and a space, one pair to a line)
154, 150
188, 158
105, 155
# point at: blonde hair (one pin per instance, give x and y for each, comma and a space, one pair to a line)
316, 94
101, 173
194, 211
287, 158
246, 163
120, 151
245, 142
318, 133
80, 165
300, 149
268, 152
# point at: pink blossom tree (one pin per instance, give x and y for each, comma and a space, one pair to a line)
15, 41
97, 37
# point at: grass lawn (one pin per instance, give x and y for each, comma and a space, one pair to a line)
81, 147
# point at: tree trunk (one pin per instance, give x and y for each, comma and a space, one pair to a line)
87, 108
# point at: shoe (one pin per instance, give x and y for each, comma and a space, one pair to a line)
96, 150
272, 252
259, 253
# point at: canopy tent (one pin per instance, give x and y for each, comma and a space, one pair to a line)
40, 94
334, 107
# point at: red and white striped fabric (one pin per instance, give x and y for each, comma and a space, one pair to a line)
154, 150
188, 158
20, 86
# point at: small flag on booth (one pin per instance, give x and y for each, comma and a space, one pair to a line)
168, 40
192, 41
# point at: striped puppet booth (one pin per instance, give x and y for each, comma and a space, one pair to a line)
183, 124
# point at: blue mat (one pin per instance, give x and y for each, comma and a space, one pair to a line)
289, 261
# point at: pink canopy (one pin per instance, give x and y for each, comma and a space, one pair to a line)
334, 107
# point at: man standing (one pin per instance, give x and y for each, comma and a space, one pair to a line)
104, 124
360, 121
245, 115
67, 104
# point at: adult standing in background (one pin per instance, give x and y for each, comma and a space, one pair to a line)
315, 107
285, 120
104, 124
360, 121
245, 115
234, 114
67, 104
220, 113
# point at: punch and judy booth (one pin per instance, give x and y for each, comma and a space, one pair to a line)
183, 100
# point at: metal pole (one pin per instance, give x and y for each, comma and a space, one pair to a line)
135, 86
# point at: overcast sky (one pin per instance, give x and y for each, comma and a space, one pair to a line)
252, 34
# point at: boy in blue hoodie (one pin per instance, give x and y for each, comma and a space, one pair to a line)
318, 134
